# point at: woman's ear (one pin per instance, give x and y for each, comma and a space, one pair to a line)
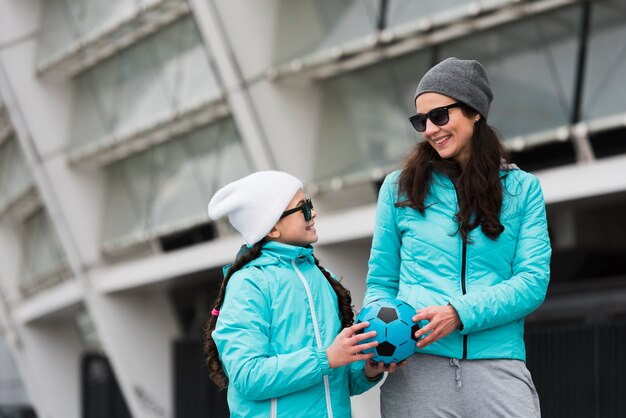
274, 233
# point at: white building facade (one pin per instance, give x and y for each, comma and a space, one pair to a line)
119, 120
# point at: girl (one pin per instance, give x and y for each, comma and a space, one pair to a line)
462, 236
274, 336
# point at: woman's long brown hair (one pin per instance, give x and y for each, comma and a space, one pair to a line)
478, 185
216, 370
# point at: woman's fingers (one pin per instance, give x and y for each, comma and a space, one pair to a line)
432, 337
425, 341
424, 330
442, 320
421, 315
426, 336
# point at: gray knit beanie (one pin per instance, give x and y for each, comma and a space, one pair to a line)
463, 80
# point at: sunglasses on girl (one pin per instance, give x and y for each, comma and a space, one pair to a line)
305, 208
439, 116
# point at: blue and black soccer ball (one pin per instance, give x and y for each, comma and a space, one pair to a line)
395, 331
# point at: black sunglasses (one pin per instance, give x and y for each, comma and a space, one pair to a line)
439, 116
305, 208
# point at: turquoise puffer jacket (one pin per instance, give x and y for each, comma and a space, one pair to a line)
493, 285
278, 317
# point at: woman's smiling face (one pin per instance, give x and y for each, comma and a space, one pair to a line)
454, 139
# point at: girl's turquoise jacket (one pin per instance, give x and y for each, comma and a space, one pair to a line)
278, 317
493, 285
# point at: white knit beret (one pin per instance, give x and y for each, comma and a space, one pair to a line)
255, 203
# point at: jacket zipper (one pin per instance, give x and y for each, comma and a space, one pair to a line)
463, 268
318, 337
464, 291
273, 412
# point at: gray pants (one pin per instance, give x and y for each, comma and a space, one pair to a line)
431, 386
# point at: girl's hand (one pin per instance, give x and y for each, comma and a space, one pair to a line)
372, 370
442, 321
346, 349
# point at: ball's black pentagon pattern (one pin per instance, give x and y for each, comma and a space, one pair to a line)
392, 321
387, 315
414, 329
361, 330
386, 349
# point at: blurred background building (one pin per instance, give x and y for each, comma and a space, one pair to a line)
120, 118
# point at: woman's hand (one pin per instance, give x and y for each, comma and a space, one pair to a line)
346, 349
442, 321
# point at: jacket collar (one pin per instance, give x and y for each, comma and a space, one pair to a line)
286, 252
276, 253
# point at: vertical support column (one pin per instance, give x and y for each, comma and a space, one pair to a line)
278, 120
244, 113
579, 131
9, 333
46, 356
135, 330
564, 223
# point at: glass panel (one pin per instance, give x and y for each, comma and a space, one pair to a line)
605, 88
12, 392
304, 26
363, 122
165, 74
128, 196
531, 64
188, 77
44, 260
87, 332
172, 182
5, 123
403, 11
67, 22
15, 178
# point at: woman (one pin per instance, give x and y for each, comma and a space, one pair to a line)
462, 236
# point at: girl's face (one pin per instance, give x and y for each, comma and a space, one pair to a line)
453, 139
294, 229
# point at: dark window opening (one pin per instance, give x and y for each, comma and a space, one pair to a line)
195, 395
101, 395
546, 156
609, 143
192, 236
578, 368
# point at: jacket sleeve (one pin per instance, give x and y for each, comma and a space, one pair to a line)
242, 338
520, 295
384, 263
358, 381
